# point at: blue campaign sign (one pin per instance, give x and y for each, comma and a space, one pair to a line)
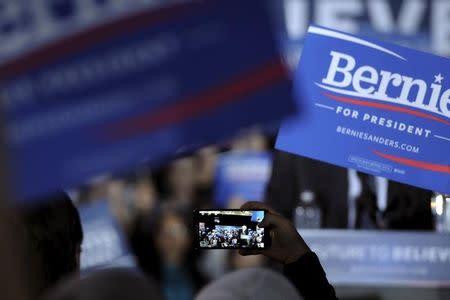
140, 86
242, 175
371, 106
104, 243
382, 258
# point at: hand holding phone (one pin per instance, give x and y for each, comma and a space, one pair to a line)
287, 244
230, 229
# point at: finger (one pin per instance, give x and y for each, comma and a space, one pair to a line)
254, 205
268, 221
246, 252
272, 220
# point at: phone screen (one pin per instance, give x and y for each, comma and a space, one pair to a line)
230, 229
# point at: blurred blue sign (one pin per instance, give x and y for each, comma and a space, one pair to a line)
104, 244
382, 258
27, 25
242, 175
140, 86
371, 106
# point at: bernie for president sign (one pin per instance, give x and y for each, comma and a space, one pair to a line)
372, 106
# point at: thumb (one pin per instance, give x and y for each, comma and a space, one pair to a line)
271, 220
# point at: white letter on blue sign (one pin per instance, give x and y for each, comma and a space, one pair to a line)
408, 83
386, 78
371, 78
344, 70
445, 102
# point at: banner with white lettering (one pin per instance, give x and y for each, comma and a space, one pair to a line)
139, 85
372, 106
419, 24
382, 258
241, 176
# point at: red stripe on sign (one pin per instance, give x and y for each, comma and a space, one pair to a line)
386, 107
82, 40
190, 107
415, 163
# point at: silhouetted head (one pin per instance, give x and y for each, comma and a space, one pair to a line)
250, 284
113, 284
53, 237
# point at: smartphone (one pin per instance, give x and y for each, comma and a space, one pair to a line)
230, 229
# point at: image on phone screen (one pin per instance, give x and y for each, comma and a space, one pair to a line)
230, 229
